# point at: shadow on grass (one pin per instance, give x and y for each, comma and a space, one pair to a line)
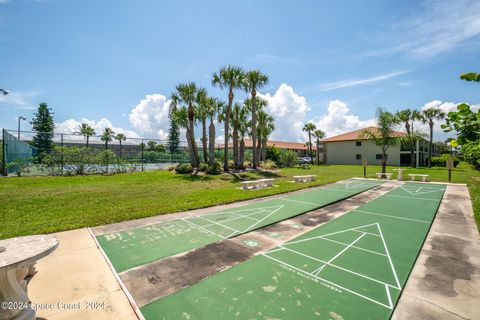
191, 177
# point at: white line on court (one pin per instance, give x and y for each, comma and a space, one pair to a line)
338, 254
389, 258
299, 201
268, 215
372, 234
330, 282
235, 211
389, 216
198, 227
389, 297
219, 224
346, 244
334, 266
232, 219
416, 198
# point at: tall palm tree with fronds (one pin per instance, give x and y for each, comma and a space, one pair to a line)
310, 128
253, 81
265, 127
229, 78
213, 108
319, 135
201, 113
107, 136
244, 129
186, 95
383, 135
120, 137
86, 131
429, 116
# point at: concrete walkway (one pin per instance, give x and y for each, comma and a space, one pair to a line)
445, 282
75, 277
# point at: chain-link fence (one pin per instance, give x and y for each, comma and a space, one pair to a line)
66, 153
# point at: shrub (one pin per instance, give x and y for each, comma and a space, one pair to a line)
442, 161
268, 164
106, 159
203, 167
288, 158
273, 153
231, 164
171, 168
184, 168
215, 168
304, 166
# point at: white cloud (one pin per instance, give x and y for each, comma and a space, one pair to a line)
358, 82
288, 110
72, 125
150, 116
438, 27
21, 100
338, 120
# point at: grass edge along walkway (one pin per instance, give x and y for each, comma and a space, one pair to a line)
141, 245
374, 250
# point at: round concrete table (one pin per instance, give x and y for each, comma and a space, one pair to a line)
400, 174
17, 267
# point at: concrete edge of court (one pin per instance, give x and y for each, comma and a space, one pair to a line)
445, 282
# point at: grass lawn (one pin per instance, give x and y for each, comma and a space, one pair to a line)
33, 205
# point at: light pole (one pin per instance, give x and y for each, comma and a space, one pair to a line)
19, 119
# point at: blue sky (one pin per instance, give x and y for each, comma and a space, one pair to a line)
115, 63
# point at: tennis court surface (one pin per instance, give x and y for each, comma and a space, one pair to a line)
353, 267
137, 246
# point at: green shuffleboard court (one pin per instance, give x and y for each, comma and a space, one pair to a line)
137, 246
353, 267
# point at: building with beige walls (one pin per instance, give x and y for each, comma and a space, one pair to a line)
352, 148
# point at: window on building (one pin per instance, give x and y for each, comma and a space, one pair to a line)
358, 157
358, 143
378, 156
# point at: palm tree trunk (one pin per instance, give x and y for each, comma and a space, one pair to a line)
204, 139
236, 159
318, 154
264, 149
384, 161
310, 146
227, 127
190, 149
254, 128
120, 141
211, 143
259, 148
87, 140
430, 146
242, 153
413, 155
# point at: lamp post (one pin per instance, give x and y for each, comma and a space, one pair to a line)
19, 119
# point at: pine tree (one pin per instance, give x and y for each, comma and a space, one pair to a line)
173, 136
43, 125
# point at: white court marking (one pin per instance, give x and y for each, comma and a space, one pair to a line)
390, 216
419, 191
330, 263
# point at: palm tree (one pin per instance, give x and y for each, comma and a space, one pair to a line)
230, 78
265, 127
319, 135
213, 108
107, 136
86, 131
202, 116
253, 81
428, 116
310, 128
405, 117
120, 137
383, 136
186, 95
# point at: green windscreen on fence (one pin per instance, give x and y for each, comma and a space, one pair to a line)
16, 151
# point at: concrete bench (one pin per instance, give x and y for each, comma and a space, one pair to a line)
306, 178
414, 175
257, 184
387, 175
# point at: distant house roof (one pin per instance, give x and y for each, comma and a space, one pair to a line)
280, 145
356, 135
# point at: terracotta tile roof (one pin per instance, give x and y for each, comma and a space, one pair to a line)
279, 144
356, 135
